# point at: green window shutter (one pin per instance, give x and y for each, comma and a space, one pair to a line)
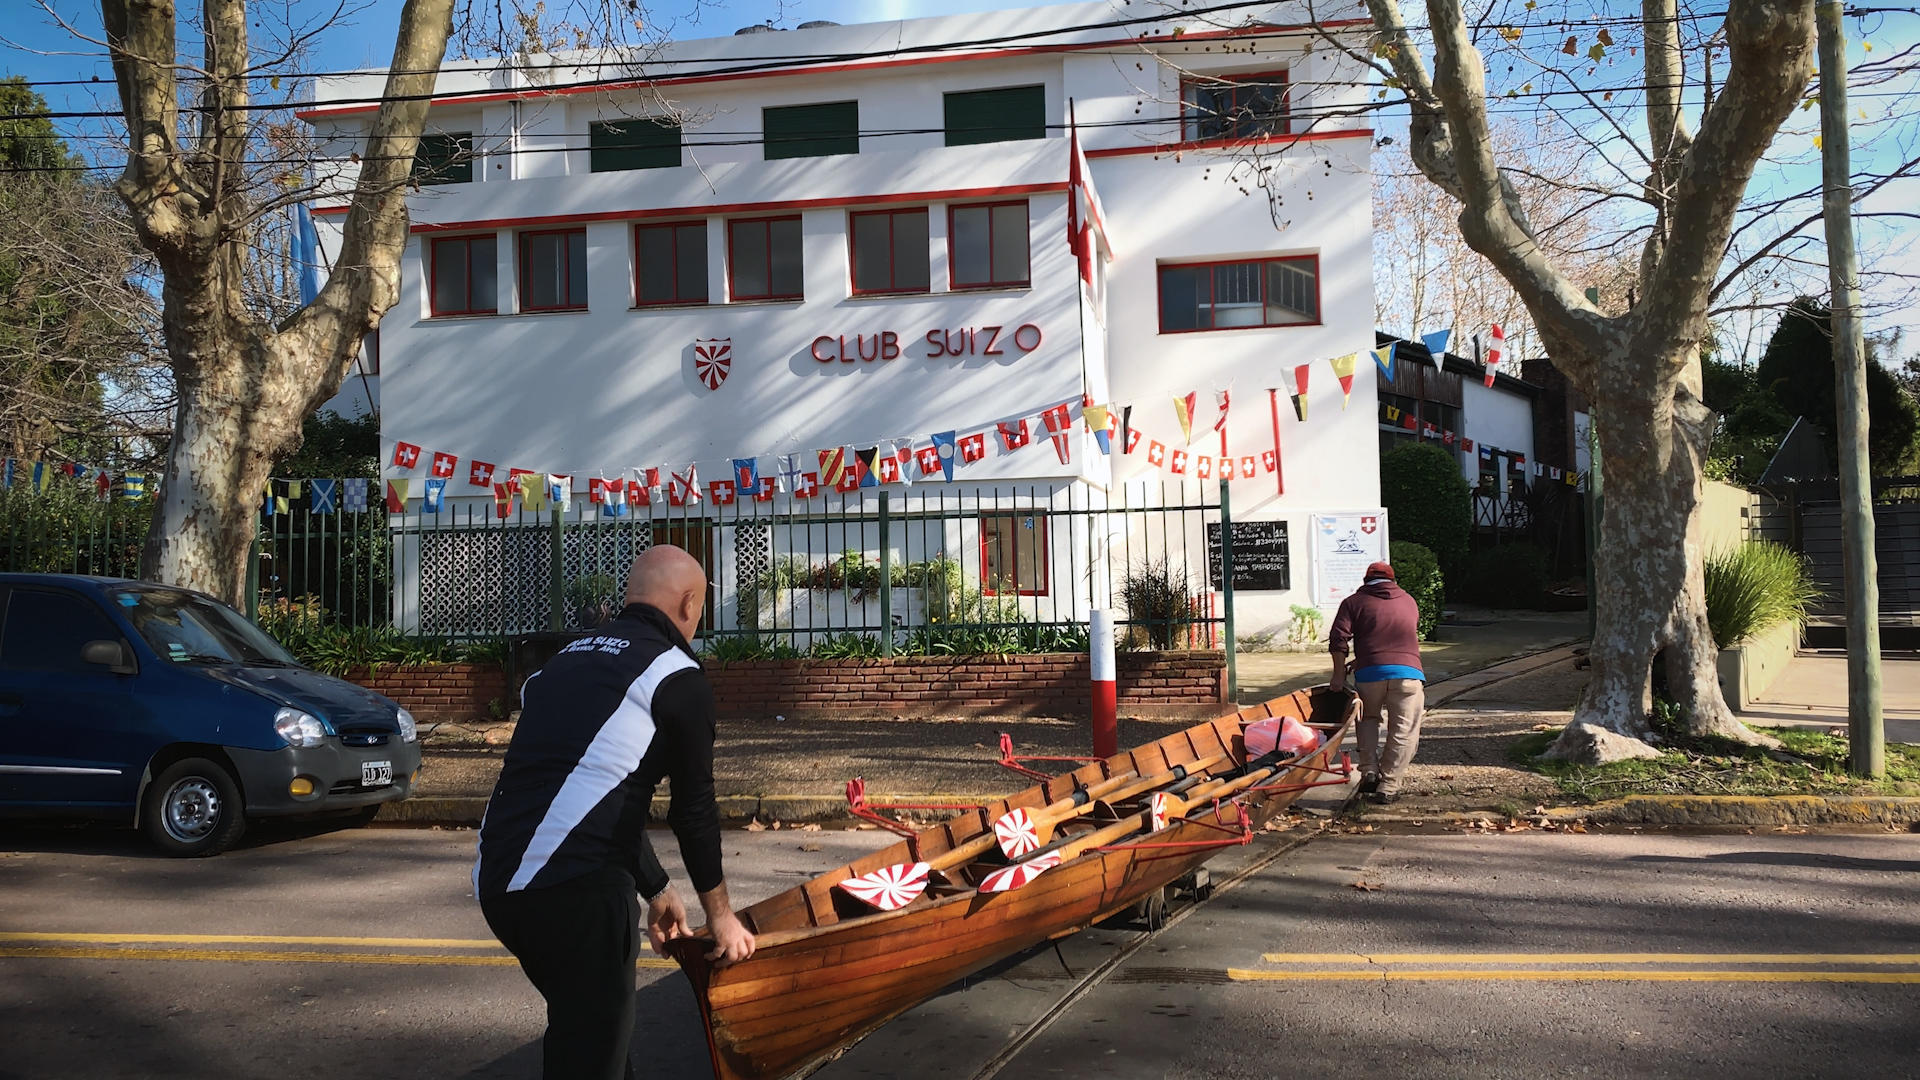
619, 145
794, 131
443, 158
985, 116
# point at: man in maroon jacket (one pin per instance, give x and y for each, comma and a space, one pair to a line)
1382, 624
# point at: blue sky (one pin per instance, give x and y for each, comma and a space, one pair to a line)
35, 45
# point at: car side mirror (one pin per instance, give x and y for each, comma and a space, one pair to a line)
112, 655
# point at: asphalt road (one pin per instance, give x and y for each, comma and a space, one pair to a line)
1522, 955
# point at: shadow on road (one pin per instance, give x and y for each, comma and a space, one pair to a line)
92, 838
1818, 861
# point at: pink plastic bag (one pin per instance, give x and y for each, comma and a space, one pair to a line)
1287, 735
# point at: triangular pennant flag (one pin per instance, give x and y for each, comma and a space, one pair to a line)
943, 441
832, 464
1059, 422
430, 500
396, 496
444, 464
1343, 370
266, 501
1383, 359
405, 455
1300, 390
746, 474
1496, 345
353, 495
1098, 420
1436, 344
1183, 409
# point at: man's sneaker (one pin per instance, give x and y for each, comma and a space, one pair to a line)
1383, 798
1369, 783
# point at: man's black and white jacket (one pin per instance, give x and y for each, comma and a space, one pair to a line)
600, 725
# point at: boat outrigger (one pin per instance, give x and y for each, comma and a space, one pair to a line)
849, 950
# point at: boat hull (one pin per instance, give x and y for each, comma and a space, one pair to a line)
810, 990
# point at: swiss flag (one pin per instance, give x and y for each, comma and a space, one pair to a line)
1133, 439
639, 494
1178, 466
405, 455
480, 474
722, 491
444, 464
1156, 452
1014, 436
807, 487
1247, 465
973, 448
596, 490
889, 470
1226, 468
765, 492
1467, 445
1446, 438
849, 478
929, 460
1269, 460
1203, 467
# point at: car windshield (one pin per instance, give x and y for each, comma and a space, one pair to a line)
187, 628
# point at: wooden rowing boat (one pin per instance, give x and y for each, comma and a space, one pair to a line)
828, 969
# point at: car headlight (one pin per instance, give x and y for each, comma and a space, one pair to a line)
299, 728
408, 732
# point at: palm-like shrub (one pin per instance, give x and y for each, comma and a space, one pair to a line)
1754, 587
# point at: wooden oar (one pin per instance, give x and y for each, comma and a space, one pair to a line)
1022, 831
896, 886
1164, 807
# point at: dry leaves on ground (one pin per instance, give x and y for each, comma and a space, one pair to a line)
1367, 886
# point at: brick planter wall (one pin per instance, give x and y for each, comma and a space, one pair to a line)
438, 692
1054, 684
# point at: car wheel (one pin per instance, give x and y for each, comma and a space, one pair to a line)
193, 808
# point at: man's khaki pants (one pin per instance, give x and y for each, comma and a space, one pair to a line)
1405, 702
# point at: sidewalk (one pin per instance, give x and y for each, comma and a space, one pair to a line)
1812, 692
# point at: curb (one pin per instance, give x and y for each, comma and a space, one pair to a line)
1698, 811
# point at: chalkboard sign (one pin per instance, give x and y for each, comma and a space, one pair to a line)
1260, 556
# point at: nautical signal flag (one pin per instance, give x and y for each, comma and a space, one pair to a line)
868, 460
833, 463
613, 498
1300, 390
1100, 422
903, 460
396, 496
480, 474
405, 455
943, 442
746, 473
1343, 370
973, 447
1496, 344
560, 490
430, 498
1383, 359
1183, 411
1059, 422
503, 500
533, 490
325, 496
353, 495
1436, 344
444, 464
1013, 435
687, 484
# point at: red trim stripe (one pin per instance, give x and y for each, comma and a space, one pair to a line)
727, 209
324, 112
1230, 144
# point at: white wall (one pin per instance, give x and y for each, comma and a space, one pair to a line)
1496, 418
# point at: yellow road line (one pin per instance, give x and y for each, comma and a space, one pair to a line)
270, 956
255, 939
1577, 975
1591, 958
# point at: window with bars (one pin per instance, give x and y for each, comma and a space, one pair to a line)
1002, 115
634, 143
794, 131
889, 251
1234, 106
1013, 554
764, 260
553, 270
444, 158
670, 263
1239, 295
464, 275
988, 246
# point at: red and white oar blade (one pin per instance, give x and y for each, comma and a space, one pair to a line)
1019, 873
1157, 811
890, 887
1017, 832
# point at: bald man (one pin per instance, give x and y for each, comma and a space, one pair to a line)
564, 859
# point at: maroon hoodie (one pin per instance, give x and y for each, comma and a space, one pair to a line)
1381, 622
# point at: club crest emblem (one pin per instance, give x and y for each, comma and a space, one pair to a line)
712, 358
1369, 525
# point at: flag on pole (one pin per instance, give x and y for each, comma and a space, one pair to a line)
1099, 421
1084, 213
1300, 390
1436, 344
1383, 359
1496, 344
444, 464
1059, 422
405, 455
397, 496
430, 500
1343, 370
746, 473
943, 441
1183, 409
353, 495
325, 496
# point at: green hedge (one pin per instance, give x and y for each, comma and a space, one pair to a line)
1427, 500
1418, 572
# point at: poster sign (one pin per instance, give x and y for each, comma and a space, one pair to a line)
1343, 546
1260, 555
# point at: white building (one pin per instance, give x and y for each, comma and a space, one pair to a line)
880, 238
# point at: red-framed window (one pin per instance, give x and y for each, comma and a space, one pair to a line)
553, 270
670, 263
888, 250
988, 246
1250, 106
1240, 295
463, 274
764, 259
1013, 553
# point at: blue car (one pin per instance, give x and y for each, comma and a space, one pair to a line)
129, 701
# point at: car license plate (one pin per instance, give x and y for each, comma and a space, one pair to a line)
376, 773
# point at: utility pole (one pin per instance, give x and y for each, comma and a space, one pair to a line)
1865, 729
